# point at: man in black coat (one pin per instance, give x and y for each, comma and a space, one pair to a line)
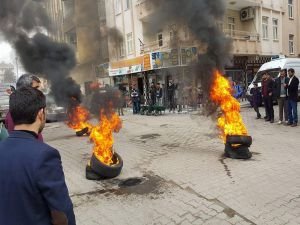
281, 94
292, 92
268, 92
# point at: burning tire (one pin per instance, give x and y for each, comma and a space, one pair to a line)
105, 171
239, 139
239, 152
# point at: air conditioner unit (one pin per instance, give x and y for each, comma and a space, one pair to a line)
247, 14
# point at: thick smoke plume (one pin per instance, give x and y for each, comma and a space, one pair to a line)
19, 19
201, 17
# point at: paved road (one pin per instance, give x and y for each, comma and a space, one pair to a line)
185, 179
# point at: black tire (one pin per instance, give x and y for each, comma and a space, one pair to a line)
239, 139
240, 152
90, 174
105, 171
82, 132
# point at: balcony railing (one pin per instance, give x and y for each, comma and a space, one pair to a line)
244, 42
165, 45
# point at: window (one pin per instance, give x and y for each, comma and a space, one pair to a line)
130, 43
220, 25
231, 26
173, 36
122, 49
291, 44
186, 32
275, 29
127, 4
118, 7
160, 40
265, 21
291, 9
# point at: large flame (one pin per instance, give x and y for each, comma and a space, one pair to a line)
102, 136
78, 118
230, 122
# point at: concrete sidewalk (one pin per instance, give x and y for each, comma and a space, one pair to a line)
185, 179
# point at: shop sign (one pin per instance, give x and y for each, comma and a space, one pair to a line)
102, 70
189, 55
125, 70
147, 62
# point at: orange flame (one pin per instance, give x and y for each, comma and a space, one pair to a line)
230, 122
78, 118
102, 137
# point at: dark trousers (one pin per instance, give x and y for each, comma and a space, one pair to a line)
283, 108
136, 107
292, 109
172, 105
256, 109
268, 101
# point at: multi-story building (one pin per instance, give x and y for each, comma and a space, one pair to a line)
54, 9
82, 24
4, 68
259, 30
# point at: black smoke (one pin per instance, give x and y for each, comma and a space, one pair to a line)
201, 17
19, 19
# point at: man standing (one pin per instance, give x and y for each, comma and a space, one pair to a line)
158, 94
267, 92
33, 189
135, 98
26, 80
171, 97
292, 92
256, 95
281, 94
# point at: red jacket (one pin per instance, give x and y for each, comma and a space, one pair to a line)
10, 126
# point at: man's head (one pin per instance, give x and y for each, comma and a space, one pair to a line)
28, 80
27, 107
291, 72
282, 73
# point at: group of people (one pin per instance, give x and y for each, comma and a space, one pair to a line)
173, 96
33, 188
284, 89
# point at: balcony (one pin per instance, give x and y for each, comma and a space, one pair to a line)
240, 4
244, 43
146, 10
165, 45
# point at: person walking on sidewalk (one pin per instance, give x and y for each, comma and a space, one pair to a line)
292, 92
33, 188
281, 94
256, 95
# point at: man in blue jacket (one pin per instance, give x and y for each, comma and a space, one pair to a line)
32, 184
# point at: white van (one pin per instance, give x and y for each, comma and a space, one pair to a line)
273, 68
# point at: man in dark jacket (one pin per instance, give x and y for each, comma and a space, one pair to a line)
281, 95
268, 92
256, 96
33, 189
292, 92
26, 80
135, 98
